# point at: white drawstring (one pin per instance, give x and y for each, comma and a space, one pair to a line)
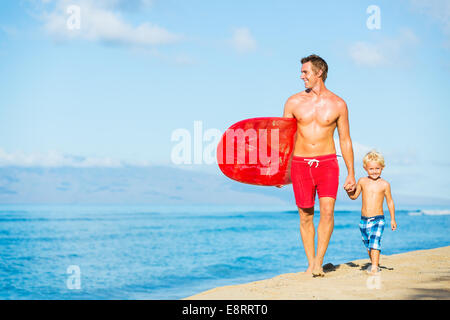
311, 161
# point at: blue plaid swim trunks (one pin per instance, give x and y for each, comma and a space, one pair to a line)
371, 231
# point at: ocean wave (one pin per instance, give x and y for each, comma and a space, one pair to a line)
237, 229
344, 226
245, 259
223, 270
443, 212
436, 212
415, 213
239, 267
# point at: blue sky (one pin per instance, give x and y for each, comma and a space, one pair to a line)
115, 90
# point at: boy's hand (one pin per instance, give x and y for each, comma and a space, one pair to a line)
393, 225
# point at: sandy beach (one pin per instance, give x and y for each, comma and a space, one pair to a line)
423, 274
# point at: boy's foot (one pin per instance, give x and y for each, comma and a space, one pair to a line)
373, 271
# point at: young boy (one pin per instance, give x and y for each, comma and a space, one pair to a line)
374, 189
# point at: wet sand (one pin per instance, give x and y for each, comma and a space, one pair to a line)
423, 274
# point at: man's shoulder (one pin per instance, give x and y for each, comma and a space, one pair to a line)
337, 101
299, 95
297, 98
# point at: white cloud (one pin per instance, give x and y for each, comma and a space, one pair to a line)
398, 157
127, 5
363, 53
58, 159
359, 150
438, 10
388, 51
10, 31
101, 21
242, 40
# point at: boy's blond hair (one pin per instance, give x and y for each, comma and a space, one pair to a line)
374, 156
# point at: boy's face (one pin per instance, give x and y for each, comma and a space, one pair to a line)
373, 169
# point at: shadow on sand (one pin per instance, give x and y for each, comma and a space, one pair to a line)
433, 293
329, 267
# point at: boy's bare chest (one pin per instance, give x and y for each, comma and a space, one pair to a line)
373, 190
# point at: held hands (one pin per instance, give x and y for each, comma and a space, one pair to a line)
351, 193
350, 184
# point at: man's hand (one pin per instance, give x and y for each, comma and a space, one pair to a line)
350, 184
279, 186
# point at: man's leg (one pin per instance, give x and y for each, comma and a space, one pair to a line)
324, 231
307, 232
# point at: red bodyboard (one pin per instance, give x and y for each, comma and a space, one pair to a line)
258, 151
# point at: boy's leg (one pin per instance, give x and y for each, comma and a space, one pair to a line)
375, 259
307, 232
375, 243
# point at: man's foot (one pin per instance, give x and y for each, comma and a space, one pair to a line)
309, 270
318, 272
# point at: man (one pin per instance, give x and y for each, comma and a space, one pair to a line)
314, 164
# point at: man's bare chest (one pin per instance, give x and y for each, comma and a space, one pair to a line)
322, 114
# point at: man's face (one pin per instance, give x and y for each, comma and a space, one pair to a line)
308, 75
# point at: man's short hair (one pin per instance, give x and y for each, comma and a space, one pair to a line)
318, 64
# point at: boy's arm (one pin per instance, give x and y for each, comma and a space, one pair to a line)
355, 194
390, 204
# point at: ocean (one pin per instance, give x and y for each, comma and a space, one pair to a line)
172, 252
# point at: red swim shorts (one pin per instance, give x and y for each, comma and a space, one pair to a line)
309, 174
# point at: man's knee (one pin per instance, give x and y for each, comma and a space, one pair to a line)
327, 216
327, 219
306, 215
327, 208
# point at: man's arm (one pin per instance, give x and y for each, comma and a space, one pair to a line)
288, 109
390, 204
287, 113
346, 147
